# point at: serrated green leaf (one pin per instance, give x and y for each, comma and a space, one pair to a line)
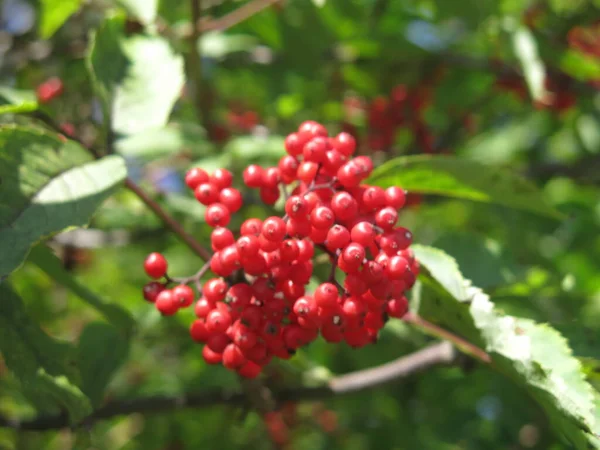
139, 77
54, 13
47, 186
102, 350
461, 178
14, 101
143, 10
533, 355
43, 258
43, 365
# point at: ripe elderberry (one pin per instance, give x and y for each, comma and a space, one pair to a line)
256, 306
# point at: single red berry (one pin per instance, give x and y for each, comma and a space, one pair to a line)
363, 233
49, 90
231, 198
306, 250
322, 217
373, 198
294, 144
215, 290
344, 206
218, 321
248, 246
296, 207
288, 168
230, 259
251, 226
271, 178
345, 143
221, 178
307, 171
315, 150
207, 193
395, 197
220, 238
195, 177
183, 295
386, 218
269, 196
217, 215
233, 357
211, 357
397, 307
353, 256
202, 308
274, 229
166, 304
250, 370
326, 296
155, 265
338, 237
198, 331
397, 267
253, 176
152, 289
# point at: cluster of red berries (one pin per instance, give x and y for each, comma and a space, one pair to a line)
49, 90
257, 307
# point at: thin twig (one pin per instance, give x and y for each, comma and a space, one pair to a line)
195, 60
460, 343
192, 243
438, 354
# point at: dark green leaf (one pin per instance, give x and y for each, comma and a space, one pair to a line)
461, 178
42, 257
54, 13
533, 355
46, 186
102, 350
43, 365
139, 77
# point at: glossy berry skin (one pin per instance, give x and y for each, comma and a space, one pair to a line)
166, 303
155, 265
183, 295
217, 215
195, 177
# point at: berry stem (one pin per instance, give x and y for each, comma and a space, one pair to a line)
193, 278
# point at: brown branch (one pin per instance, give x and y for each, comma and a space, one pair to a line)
239, 15
195, 61
438, 354
175, 227
460, 343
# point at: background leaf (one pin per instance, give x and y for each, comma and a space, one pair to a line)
143, 10
101, 351
140, 77
460, 178
43, 257
47, 186
14, 101
54, 13
43, 365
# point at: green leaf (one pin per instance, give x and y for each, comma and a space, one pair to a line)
525, 48
102, 350
143, 10
14, 101
139, 77
54, 13
47, 186
159, 142
533, 355
461, 178
263, 150
43, 258
44, 366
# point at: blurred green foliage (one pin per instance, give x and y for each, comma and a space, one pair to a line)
509, 91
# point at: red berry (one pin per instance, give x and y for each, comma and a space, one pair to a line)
221, 178
220, 238
248, 246
326, 296
251, 226
152, 289
363, 233
218, 321
274, 229
215, 290
338, 237
195, 177
296, 207
386, 218
294, 144
315, 150
233, 357
207, 193
395, 197
49, 90
198, 331
217, 215
271, 178
269, 196
183, 295
155, 265
231, 198
210, 356
250, 370
166, 304
253, 176
344, 206
322, 217
345, 143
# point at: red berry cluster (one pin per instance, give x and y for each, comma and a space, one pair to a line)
49, 90
257, 307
